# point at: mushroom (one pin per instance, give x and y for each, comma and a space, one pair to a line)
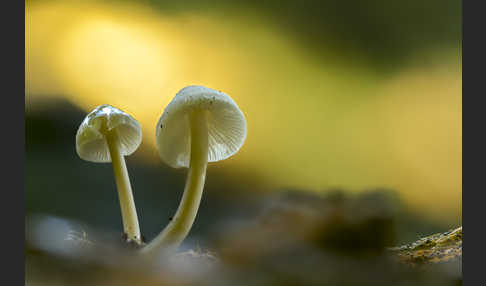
199, 125
107, 134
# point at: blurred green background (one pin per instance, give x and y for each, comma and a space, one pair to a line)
338, 95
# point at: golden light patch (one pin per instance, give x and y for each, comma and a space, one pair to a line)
422, 112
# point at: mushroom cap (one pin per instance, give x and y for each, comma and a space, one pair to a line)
226, 126
91, 142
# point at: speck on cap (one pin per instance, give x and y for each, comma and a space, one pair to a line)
91, 142
226, 126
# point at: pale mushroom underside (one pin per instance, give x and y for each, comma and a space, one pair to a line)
226, 126
91, 142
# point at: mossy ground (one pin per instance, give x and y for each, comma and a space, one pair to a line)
436, 248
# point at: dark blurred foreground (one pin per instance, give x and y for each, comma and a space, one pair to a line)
294, 239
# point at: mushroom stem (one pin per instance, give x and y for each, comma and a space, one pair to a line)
178, 228
127, 204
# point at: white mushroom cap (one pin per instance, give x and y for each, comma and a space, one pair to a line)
226, 126
91, 142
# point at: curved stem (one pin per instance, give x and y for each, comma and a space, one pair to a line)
175, 232
127, 204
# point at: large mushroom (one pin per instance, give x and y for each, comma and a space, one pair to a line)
107, 134
199, 125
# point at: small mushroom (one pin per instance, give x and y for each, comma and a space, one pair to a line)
199, 125
107, 134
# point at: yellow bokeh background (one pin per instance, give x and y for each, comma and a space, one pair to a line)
312, 124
